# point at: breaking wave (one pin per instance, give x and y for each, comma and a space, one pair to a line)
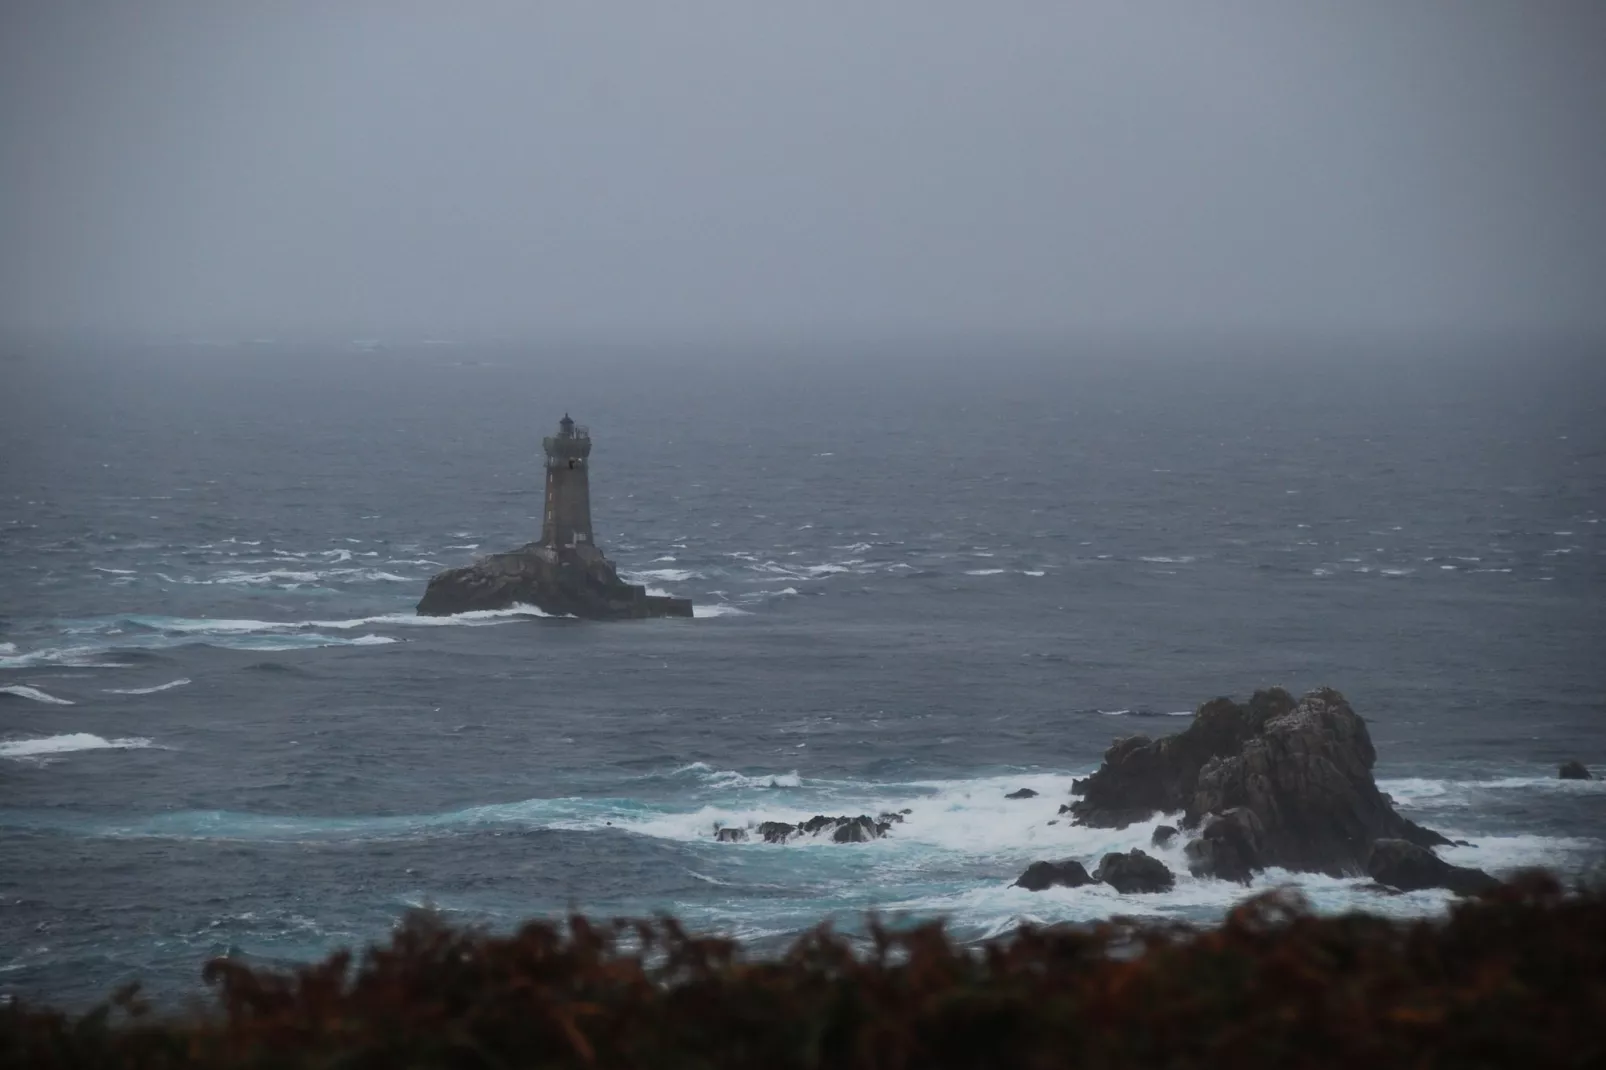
180, 682
1422, 793
117, 636
717, 609
66, 744
662, 575
956, 854
33, 693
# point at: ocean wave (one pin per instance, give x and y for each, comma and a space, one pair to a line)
1145, 713
956, 854
1435, 794
114, 635
717, 609
1185, 559
66, 744
984, 571
72, 657
180, 682
34, 694
119, 646
662, 575
731, 779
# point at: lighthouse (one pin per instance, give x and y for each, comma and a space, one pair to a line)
565, 574
566, 522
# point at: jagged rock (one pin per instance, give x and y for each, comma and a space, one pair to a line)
1134, 871
776, 831
859, 829
573, 581
1163, 835
1067, 874
1303, 768
1023, 793
1228, 847
1574, 771
1078, 785
890, 818
1409, 867
1065, 808
730, 835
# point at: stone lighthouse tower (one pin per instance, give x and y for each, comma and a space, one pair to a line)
567, 520
563, 575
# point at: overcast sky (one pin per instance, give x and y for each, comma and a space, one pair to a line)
738, 169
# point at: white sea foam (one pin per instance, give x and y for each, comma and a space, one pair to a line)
1159, 560
180, 682
65, 744
984, 571
283, 576
662, 575
1033, 572
76, 657
1431, 794
717, 609
33, 693
8, 648
115, 571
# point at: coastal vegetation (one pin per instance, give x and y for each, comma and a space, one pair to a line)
1515, 975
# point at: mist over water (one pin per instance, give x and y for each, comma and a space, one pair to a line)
925, 577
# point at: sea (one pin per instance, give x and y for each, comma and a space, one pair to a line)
925, 576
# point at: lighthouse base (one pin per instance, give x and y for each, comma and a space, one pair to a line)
575, 581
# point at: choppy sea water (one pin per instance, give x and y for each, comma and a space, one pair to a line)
924, 580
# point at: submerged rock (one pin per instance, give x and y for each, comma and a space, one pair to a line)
1304, 769
1023, 793
1134, 871
1574, 771
1066, 874
729, 835
1409, 867
1163, 835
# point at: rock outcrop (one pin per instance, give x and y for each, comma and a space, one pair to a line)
1163, 835
576, 581
1023, 793
1135, 871
861, 829
1574, 771
1302, 769
1409, 867
1066, 874
1228, 847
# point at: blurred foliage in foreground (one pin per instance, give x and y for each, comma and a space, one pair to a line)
1514, 978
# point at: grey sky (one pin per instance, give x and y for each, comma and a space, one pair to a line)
699, 169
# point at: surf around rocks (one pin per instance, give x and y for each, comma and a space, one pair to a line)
1272, 783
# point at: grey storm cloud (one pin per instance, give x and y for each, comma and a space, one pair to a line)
701, 169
